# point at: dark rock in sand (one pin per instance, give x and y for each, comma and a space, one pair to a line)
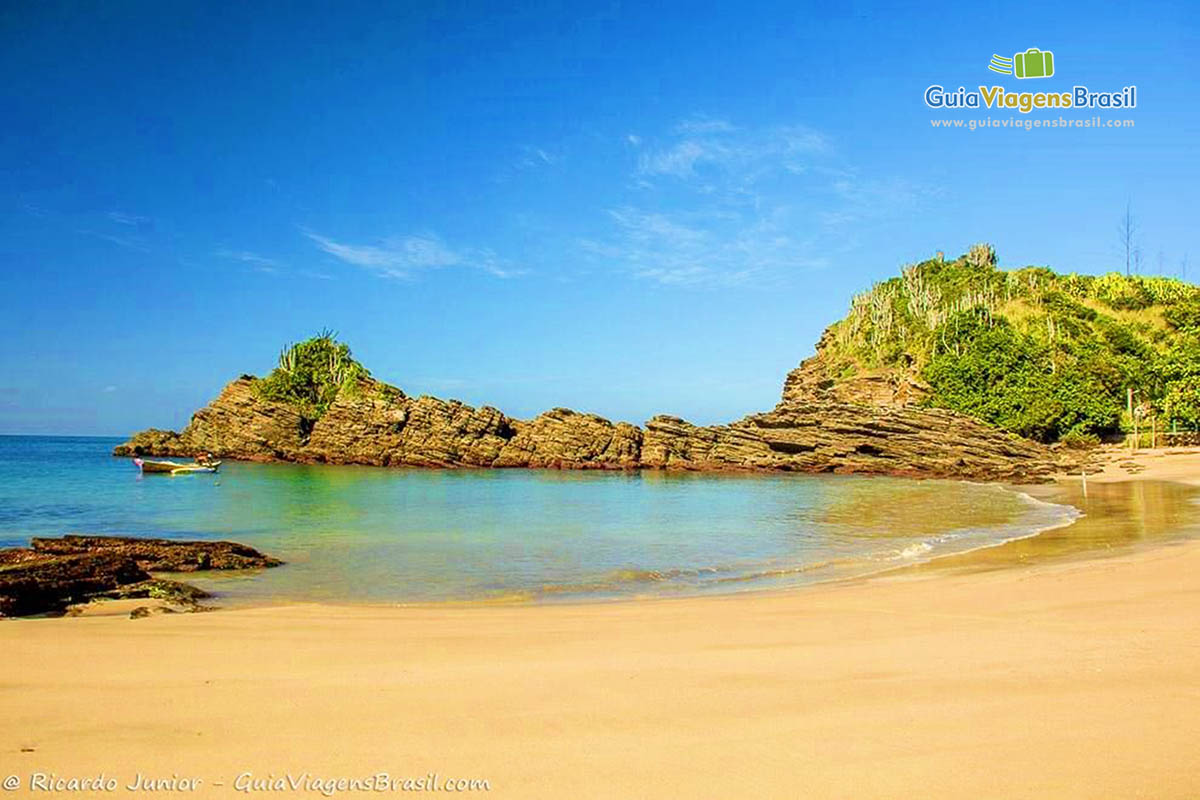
38, 583
141, 612
174, 592
57, 573
161, 555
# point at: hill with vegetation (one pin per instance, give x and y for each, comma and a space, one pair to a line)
310, 375
1044, 355
320, 405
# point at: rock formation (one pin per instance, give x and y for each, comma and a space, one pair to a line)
53, 574
159, 555
812, 430
814, 382
36, 583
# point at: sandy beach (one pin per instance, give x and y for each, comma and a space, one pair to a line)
604, 401
1076, 678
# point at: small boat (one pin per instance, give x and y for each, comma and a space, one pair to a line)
175, 468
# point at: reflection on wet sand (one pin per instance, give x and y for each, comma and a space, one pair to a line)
1117, 517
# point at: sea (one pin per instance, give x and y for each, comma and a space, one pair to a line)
412, 536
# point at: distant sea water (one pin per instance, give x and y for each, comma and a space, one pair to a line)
363, 534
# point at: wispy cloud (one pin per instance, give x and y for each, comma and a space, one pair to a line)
702, 248
537, 157
703, 203
714, 204
404, 257
704, 125
129, 235
315, 275
261, 263
132, 220
132, 242
680, 159
530, 159
720, 147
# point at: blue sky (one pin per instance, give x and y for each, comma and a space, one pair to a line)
625, 208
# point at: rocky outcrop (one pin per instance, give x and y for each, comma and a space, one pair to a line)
178, 594
37, 583
814, 429
565, 439
237, 421
887, 388
378, 424
848, 438
159, 555
815, 381
53, 574
155, 441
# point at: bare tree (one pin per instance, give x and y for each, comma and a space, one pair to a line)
1127, 232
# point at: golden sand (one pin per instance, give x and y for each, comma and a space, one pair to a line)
1075, 678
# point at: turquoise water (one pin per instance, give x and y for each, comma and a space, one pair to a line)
361, 534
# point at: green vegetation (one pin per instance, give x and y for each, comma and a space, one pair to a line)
311, 374
1047, 356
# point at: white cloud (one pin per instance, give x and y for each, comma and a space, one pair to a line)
648, 227
261, 263
713, 204
680, 159
702, 248
532, 158
132, 220
707, 203
741, 153
406, 256
704, 125
128, 242
315, 275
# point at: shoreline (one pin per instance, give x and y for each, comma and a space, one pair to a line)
765, 583
1052, 494
1061, 678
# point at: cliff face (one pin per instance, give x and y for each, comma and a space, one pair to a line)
816, 381
812, 430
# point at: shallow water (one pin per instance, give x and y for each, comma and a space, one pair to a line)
1116, 518
396, 535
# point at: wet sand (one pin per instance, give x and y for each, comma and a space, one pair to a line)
1064, 675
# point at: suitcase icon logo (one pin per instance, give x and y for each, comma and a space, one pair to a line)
1033, 63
